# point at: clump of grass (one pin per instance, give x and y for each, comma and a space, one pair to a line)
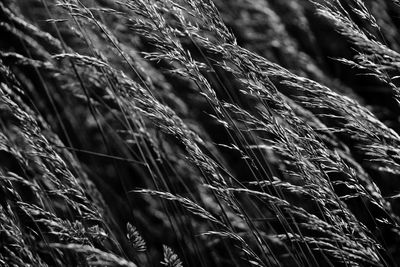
230, 133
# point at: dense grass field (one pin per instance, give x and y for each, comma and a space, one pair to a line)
199, 133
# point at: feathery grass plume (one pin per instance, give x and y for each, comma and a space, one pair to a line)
373, 55
15, 250
189, 205
61, 183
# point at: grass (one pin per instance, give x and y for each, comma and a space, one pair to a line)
199, 133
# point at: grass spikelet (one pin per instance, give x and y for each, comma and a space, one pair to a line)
170, 258
135, 239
